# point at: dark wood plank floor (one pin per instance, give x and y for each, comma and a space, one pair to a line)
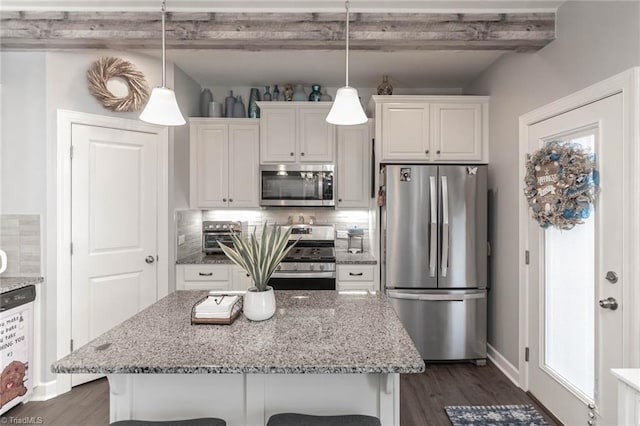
422, 398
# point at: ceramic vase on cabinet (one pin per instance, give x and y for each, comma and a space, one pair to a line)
315, 94
259, 305
288, 92
276, 93
267, 95
238, 108
206, 97
254, 96
325, 97
385, 88
299, 94
229, 103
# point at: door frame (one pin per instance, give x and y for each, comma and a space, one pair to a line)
65, 120
627, 83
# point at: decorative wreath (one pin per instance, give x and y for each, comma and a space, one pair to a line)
561, 184
104, 69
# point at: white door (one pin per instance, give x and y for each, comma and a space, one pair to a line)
114, 217
573, 341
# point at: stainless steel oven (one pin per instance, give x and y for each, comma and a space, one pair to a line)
311, 263
214, 231
297, 185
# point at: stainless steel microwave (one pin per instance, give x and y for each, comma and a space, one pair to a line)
297, 185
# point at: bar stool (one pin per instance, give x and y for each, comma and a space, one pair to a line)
208, 421
295, 419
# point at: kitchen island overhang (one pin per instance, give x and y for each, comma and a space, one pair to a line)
322, 353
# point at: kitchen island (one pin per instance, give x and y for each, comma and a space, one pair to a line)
321, 353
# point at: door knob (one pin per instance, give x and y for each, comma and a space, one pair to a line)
609, 303
612, 277
149, 259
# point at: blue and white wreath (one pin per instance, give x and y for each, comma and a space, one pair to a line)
561, 184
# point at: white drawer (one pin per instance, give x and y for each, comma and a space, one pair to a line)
355, 272
206, 273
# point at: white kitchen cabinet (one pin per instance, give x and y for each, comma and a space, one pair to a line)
203, 277
432, 129
224, 163
354, 166
356, 277
240, 279
296, 132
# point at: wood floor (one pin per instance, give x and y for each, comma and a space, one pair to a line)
422, 398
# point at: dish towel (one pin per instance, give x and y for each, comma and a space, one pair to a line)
219, 306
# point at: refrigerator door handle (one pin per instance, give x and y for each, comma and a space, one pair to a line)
434, 226
445, 297
445, 226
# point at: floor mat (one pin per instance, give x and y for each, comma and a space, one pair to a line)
494, 415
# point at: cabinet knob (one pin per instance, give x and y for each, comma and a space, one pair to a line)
291, 154
231, 200
427, 151
302, 154
339, 200
438, 152
224, 200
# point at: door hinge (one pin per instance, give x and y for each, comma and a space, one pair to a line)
526, 354
71, 345
71, 152
71, 248
526, 257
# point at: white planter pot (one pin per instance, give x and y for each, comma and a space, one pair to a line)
259, 305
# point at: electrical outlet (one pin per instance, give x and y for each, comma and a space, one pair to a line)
181, 239
342, 234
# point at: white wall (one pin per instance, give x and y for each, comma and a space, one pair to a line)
595, 40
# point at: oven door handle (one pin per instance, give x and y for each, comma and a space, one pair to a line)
327, 274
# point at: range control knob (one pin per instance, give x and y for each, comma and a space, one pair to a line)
295, 267
279, 268
312, 267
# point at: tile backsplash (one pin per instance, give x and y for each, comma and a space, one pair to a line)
20, 239
189, 222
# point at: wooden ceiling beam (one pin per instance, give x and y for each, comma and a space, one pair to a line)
270, 31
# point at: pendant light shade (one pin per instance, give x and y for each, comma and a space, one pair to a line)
346, 109
162, 107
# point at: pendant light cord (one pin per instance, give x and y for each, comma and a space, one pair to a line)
164, 60
346, 5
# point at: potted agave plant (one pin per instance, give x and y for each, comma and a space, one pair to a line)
260, 259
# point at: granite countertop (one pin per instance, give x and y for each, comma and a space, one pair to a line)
13, 283
311, 332
342, 258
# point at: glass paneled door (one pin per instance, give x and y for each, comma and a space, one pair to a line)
574, 328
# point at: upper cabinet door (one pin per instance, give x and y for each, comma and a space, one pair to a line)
316, 137
354, 166
244, 164
456, 131
405, 132
209, 166
278, 135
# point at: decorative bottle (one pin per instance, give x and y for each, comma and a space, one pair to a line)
276, 93
205, 98
288, 92
238, 108
299, 94
229, 103
253, 110
267, 95
315, 94
385, 88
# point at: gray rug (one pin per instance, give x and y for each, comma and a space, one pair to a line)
494, 415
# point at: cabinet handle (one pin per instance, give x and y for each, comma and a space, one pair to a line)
205, 274
438, 152
302, 154
291, 154
351, 274
427, 151
224, 200
231, 200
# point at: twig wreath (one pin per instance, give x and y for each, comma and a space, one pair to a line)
106, 68
561, 184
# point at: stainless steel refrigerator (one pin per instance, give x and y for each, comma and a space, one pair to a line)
434, 257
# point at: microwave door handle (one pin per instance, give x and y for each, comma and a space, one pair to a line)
445, 226
434, 227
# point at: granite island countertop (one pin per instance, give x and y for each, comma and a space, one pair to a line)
14, 283
342, 258
311, 332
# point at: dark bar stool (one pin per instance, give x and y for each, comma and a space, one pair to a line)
209, 421
295, 419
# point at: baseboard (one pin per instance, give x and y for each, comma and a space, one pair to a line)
503, 365
45, 391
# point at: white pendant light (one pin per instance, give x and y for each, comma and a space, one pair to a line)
162, 107
346, 109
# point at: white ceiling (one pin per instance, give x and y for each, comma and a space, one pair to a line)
410, 69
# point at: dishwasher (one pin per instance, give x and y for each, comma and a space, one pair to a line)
16, 346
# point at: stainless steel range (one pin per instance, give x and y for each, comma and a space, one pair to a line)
311, 264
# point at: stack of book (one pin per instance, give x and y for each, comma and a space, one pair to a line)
216, 309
